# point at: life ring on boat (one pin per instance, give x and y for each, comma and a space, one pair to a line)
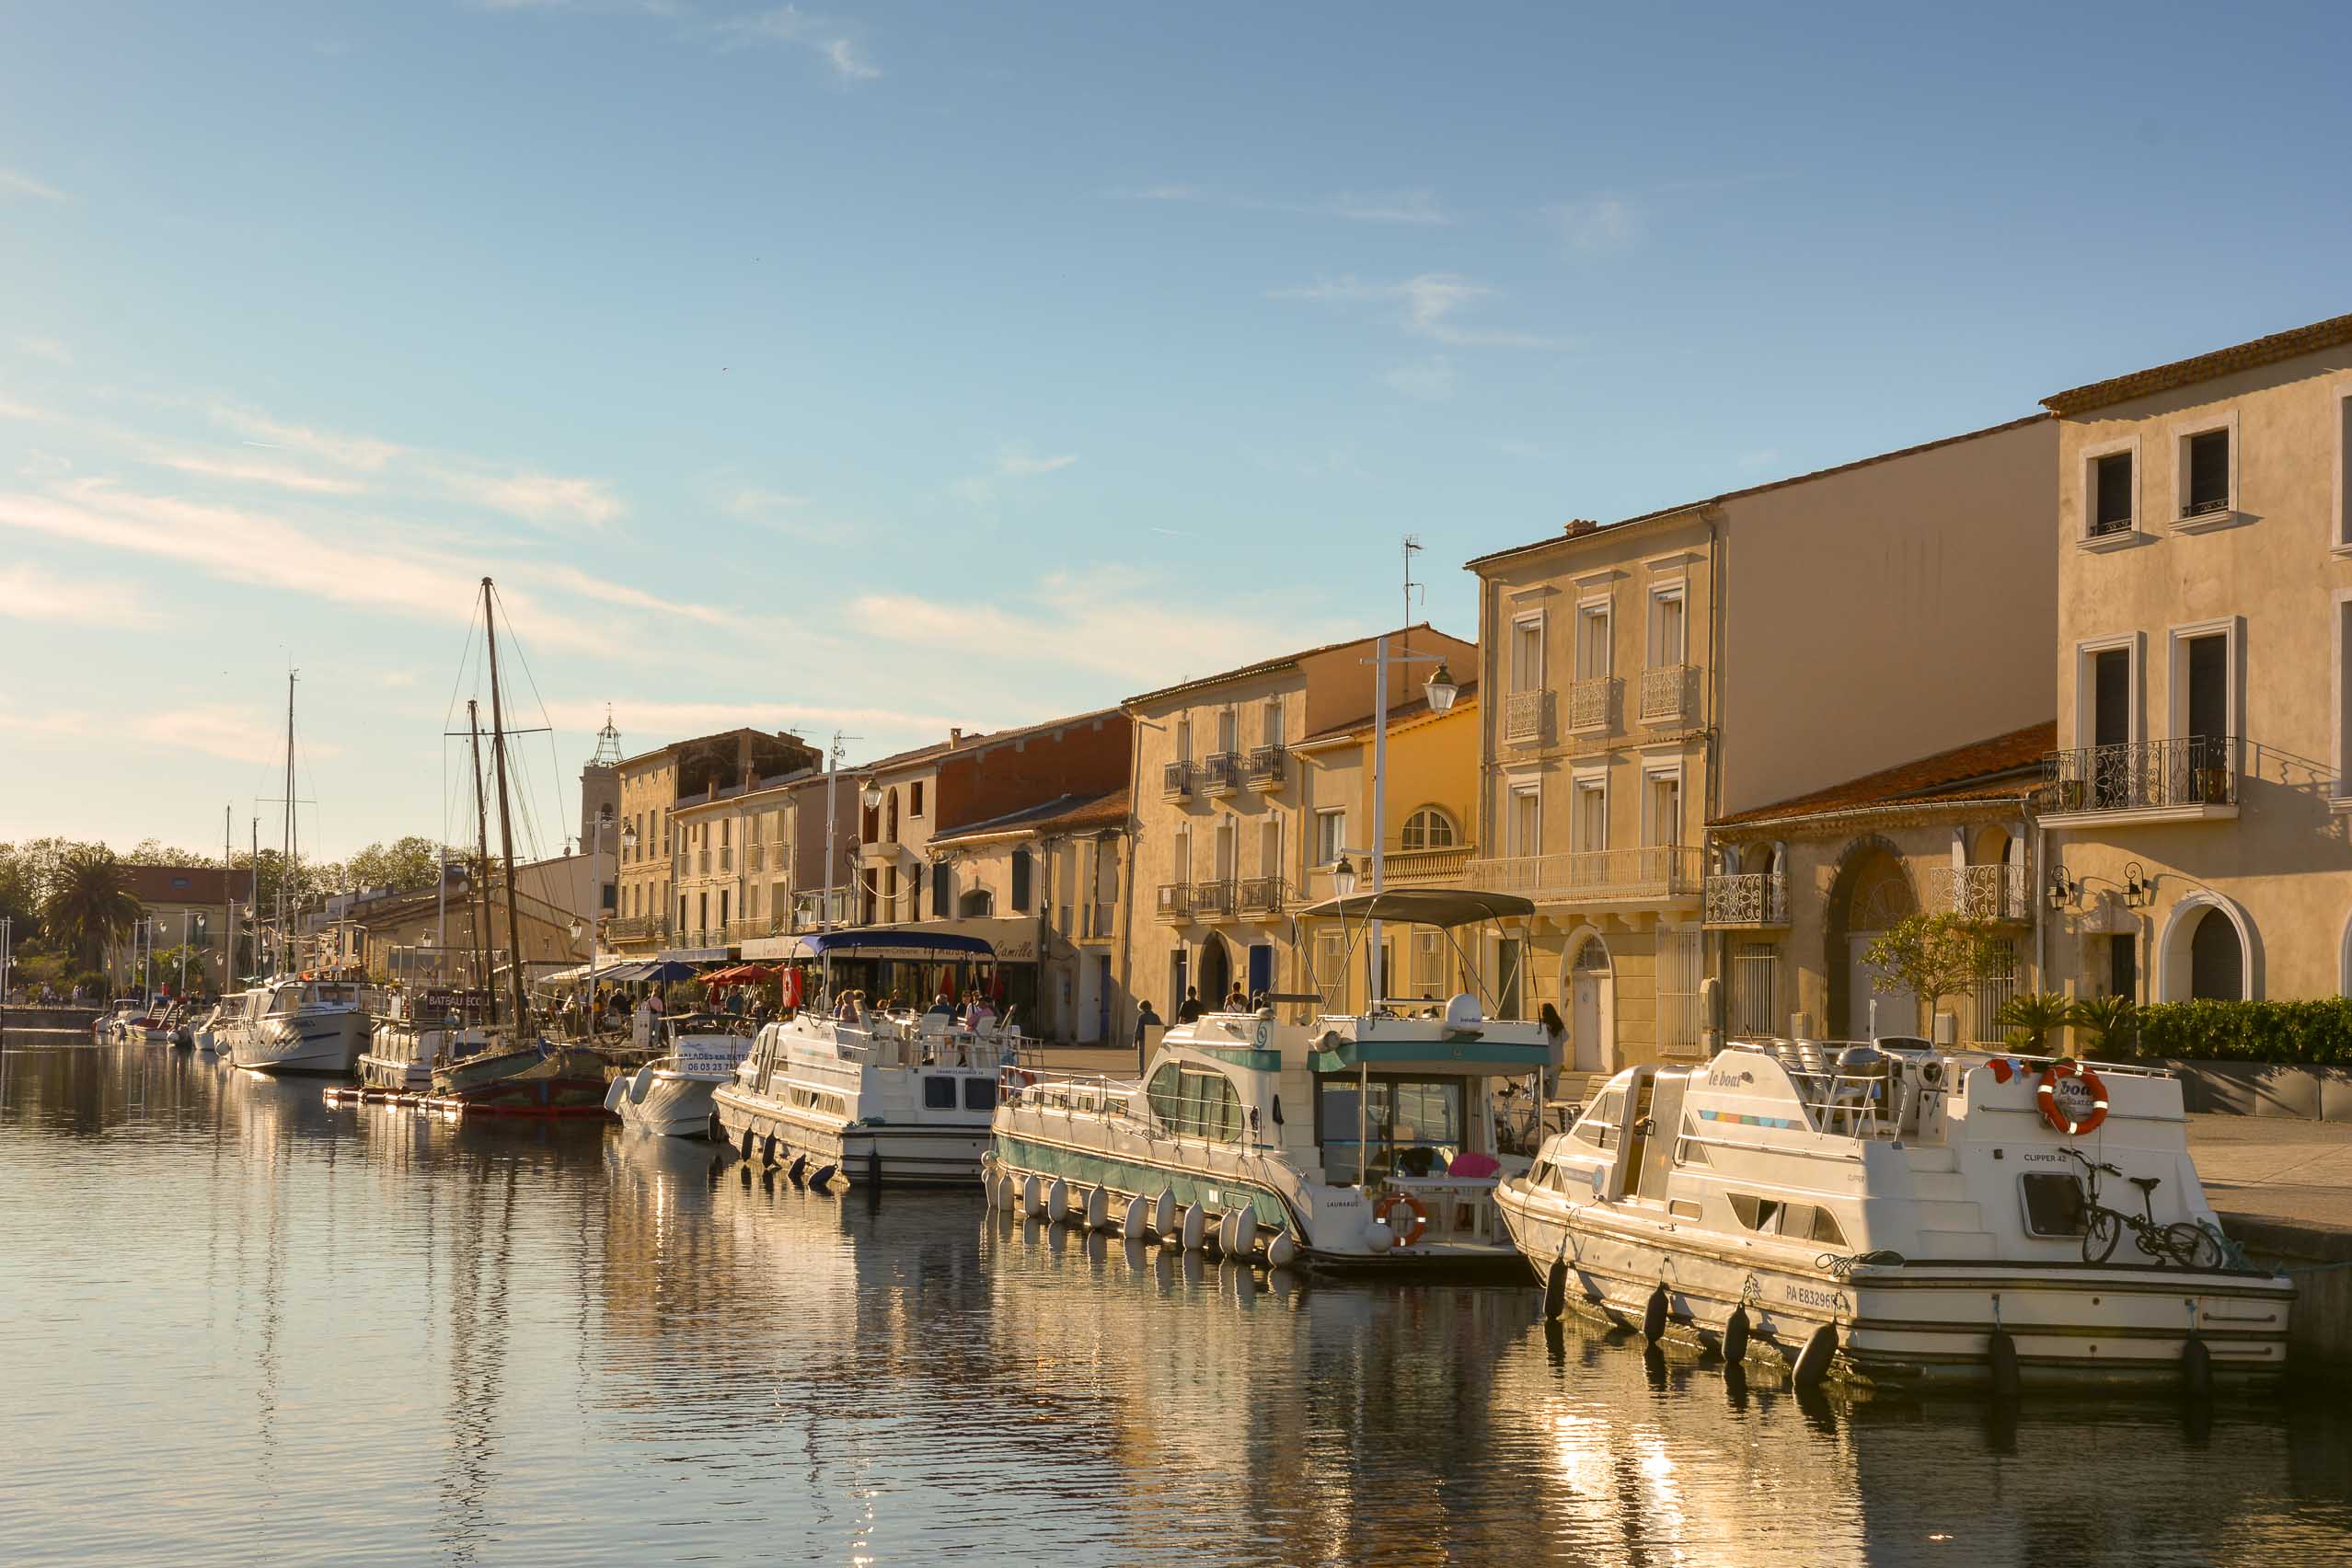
1011, 1081
1395, 1201
2047, 1095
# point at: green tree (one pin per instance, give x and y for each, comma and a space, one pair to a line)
1934, 956
167, 970
156, 852
86, 905
2031, 1018
405, 864
2112, 1022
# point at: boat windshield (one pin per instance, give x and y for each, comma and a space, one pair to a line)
1412, 1127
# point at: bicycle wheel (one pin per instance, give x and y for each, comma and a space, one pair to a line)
2191, 1246
2102, 1230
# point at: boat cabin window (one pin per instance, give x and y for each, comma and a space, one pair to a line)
1195, 1102
979, 1094
2053, 1202
939, 1092
1598, 1125
1801, 1222
1413, 1125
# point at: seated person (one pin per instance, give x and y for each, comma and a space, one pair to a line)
1421, 1160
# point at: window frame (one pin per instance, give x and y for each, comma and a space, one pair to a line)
1655, 769
1676, 591
1326, 815
2132, 643
1600, 608
1521, 679
1515, 788
2232, 630
2087, 493
2183, 432
1594, 779
1442, 816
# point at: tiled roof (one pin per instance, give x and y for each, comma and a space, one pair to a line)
992, 738
183, 885
1545, 544
2001, 768
2278, 346
1263, 665
1062, 812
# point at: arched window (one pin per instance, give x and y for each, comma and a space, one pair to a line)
1429, 828
2217, 959
979, 900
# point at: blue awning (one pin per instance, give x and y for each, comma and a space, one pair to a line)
888, 944
663, 971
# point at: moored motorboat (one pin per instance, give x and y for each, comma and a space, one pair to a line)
1894, 1216
672, 1096
1343, 1141
417, 1031
534, 1078
294, 1025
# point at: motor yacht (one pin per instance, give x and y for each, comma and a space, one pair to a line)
1362, 1140
671, 1095
1899, 1215
296, 1025
418, 1031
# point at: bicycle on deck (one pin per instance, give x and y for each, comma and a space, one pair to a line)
2182, 1244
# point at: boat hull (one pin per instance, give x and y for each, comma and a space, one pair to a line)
675, 1105
1902, 1325
530, 1081
322, 1044
893, 1154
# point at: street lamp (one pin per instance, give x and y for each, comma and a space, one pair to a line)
1343, 878
870, 795
1441, 690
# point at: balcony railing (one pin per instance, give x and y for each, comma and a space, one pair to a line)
1215, 900
1426, 865
638, 928
755, 857
761, 926
1670, 694
1176, 780
1269, 767
702, 862
1261, 895
1221, 772
1595, 876
1175, 901
1527, 718
727, 858
2105, 527
1748, 898
2187, 771
1592, 705
1980, 893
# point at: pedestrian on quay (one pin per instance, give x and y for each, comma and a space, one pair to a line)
1189, 1010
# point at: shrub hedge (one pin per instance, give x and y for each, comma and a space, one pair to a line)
2314, 1034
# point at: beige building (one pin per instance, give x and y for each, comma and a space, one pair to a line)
652, 785
1644, 677
1237, 829
2201, 783
750, 860
1799, 890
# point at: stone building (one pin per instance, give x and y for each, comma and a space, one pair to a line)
1704, 660
2202, 779
653, 786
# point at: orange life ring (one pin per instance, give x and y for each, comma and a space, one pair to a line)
2047, 1095
1419, 1217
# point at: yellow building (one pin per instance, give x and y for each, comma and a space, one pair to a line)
2198, 796
653, 786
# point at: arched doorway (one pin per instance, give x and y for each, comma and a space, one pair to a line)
2206, 951
1592, 1006
1214, 976
1873, 893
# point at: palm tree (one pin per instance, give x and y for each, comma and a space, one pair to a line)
88, 906
2113, 1023
2031, 1017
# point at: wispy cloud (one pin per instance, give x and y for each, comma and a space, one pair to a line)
14, 184
48, 348
756, 504
27, 593
1021, 466
610, 593
1758, 457
1602, 223
545, 500
365, 453
260, 472
830, 41
1012, 463
1407, 206
1431, 380
1431, 302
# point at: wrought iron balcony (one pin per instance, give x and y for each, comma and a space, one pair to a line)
1748, 898
1670, 694
1527, 718
2188, 775
1650, 875
1261, 895
1592, 705
1176, 780
638, 928
1269, 767
1981, 892
1215, 900
1221, 772
1175, 901
2108, 527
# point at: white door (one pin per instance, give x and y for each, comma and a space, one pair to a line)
1899, 1011
1588, 1021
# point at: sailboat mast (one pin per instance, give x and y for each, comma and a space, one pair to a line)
285, 816
480, 917
505, 822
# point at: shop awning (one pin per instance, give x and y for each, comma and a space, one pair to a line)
740, 974
1446, 907
659, 970
897, 943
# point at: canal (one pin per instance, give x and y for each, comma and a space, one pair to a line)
241, 1325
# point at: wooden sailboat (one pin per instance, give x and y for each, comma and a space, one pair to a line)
519, 1073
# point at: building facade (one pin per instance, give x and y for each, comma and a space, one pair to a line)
1644, 677
1235, 829
652, 785
184, 906
2201, 784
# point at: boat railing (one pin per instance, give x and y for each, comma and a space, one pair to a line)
1049, 1088
1459, 1208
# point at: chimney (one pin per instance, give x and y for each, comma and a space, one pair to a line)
955, 735
1580, 526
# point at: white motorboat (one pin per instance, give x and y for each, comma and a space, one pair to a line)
895, 1099
1344, 1141
202, 1035
418, 1031
672, 1096
299, 1026
1897, 1215
116, 1021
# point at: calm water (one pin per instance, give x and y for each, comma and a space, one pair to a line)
242, 1326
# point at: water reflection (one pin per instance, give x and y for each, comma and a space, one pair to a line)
271, 1328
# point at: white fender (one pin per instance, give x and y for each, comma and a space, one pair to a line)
618, 1088
1195, 1227
988, 1183
1163, 1213
1098, 1209
1239, 1233
1378, 1238
1032, 1196
1058, 1200
1138, 1221
1006, 1192
641, 1084
1282, 1250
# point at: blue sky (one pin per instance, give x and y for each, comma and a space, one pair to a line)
880, 369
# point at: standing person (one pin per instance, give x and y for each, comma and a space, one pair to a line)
1146, 1021
1189, 1010
1555, 1031
1235, 1001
